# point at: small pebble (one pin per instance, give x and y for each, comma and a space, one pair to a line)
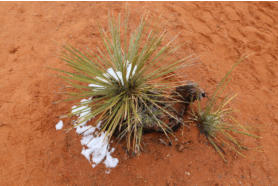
187, 173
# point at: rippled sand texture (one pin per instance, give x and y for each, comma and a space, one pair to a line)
32, 152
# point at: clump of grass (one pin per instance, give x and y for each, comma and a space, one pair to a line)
216, 122
128, 85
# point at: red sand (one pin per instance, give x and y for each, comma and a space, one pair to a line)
32, 152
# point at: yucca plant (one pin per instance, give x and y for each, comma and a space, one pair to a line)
215, 120
127, 82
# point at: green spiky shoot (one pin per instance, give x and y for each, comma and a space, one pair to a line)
216, 122
128, 83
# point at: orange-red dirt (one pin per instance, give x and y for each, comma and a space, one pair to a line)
32, 152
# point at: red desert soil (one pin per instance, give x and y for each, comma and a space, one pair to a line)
32, 152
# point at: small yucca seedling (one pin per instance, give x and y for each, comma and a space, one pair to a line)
216, 122
128, 86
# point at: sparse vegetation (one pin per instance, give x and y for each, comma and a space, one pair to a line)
128, 83
216, 122
130, 90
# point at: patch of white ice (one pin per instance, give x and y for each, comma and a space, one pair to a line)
117, 75
59, 125
95, 85
128, 70
96, 147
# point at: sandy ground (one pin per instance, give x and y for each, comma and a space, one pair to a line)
32, 152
